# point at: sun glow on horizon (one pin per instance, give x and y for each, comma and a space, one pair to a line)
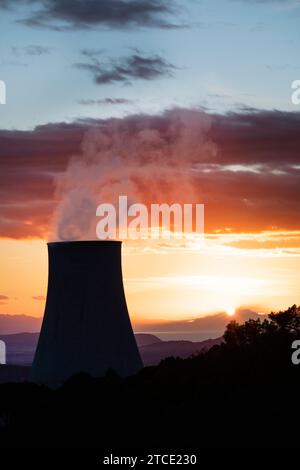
230, 311
165, 282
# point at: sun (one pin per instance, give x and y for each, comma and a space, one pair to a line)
230, 311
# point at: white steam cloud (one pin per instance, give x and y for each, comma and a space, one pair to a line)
148, 158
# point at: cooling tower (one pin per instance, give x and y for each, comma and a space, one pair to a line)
86, 326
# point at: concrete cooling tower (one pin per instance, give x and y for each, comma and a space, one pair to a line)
86, 326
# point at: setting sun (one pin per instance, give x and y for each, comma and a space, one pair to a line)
230, 311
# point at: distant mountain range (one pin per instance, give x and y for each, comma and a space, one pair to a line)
10, 324
21, 332
211, 325
154, 353
21, 348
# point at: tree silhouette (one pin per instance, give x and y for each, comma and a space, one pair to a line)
241, 393
287, 320
284, 324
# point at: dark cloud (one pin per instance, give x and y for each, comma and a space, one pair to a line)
39, 297
251, 183
32, 49
83, 14
220, 96
106, 101
125, 70
254, 137
4, 297
30, 160
92, 52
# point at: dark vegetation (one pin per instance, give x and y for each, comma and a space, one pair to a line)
244, 392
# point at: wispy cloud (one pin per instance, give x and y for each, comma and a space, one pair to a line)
108, 101
38, 297
32, 49
126, 69
3, 297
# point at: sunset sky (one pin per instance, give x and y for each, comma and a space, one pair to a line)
164, 101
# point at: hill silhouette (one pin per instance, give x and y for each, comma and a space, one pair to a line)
153, 353
21, 348
240, 393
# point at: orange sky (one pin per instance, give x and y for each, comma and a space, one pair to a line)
165, 281
243, 166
